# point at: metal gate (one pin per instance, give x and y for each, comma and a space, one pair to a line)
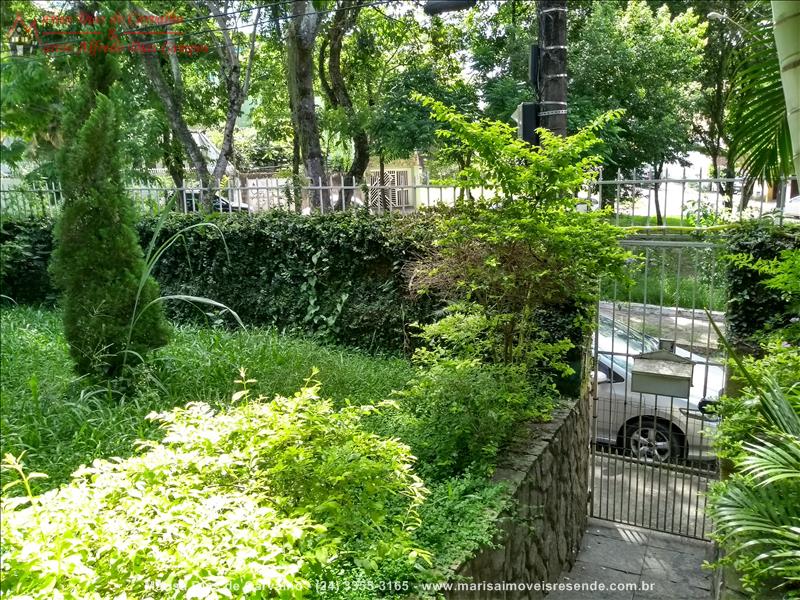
652, 459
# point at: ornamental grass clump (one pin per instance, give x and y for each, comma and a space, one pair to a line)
266, 499
111, 313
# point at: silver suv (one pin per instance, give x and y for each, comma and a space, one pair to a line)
648, 426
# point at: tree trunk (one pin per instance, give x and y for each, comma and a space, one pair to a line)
177, 123
172, 99
301, 35
657, 184
236, 88
747, 193
173, 160
294, 190
786, 20
553, 65
344, 20
297, 189
730, 173
382, 182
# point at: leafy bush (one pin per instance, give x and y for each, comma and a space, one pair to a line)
461, 407
740, 414
265, 496
459, 517
458, 413
755, 511
111, 316
753, 306
338, 275
25, 248
527, 251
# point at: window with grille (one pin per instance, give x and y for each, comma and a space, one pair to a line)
395, 182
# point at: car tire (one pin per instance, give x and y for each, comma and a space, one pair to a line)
653, 441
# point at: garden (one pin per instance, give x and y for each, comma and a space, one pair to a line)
268, 404
326, 397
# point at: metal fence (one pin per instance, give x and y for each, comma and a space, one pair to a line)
689, 201
684, 201
47, 198
652, 459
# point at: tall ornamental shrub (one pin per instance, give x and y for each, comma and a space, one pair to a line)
110, 317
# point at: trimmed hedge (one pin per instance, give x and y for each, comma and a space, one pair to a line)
25, 248
752, 307
337, 275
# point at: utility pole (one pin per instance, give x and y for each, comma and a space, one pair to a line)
552, 84
548, 68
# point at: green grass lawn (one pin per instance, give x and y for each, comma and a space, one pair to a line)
627, 220
684, 277
61, 421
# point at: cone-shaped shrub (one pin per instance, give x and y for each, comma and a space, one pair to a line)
98, 264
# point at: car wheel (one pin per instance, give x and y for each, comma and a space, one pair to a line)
653, 441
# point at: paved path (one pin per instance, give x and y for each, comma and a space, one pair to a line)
657, 565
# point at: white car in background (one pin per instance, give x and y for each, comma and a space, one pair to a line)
791, 209
647, 426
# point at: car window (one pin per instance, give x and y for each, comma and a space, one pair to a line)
613, 375
616, 336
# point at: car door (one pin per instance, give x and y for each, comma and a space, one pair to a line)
610, 399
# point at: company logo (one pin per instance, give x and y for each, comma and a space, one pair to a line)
101, 35
23, 38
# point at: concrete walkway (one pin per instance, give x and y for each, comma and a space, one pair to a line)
622, 562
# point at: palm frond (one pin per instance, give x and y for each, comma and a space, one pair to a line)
760, 136
769, 462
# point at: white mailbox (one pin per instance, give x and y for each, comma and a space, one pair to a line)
662, 372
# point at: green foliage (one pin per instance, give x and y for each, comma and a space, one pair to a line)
648, 64
62, 422
459, 517
673, 277
783, 272
25, 248
401, 126
527, 251
740, 414
268, 495
755, 511
457, 413
499, 38
41, 416
353, 292
760, 137
339, 276
109, 315
755, 305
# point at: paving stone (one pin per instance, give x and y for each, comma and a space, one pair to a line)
678, 567
658, 539
618, 531
666, 590
614, 554
589, 572
617, 553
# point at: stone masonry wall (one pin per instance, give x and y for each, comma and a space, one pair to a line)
547, 468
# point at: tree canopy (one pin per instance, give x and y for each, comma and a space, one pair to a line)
670, 70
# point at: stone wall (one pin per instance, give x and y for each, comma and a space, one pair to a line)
547, 469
